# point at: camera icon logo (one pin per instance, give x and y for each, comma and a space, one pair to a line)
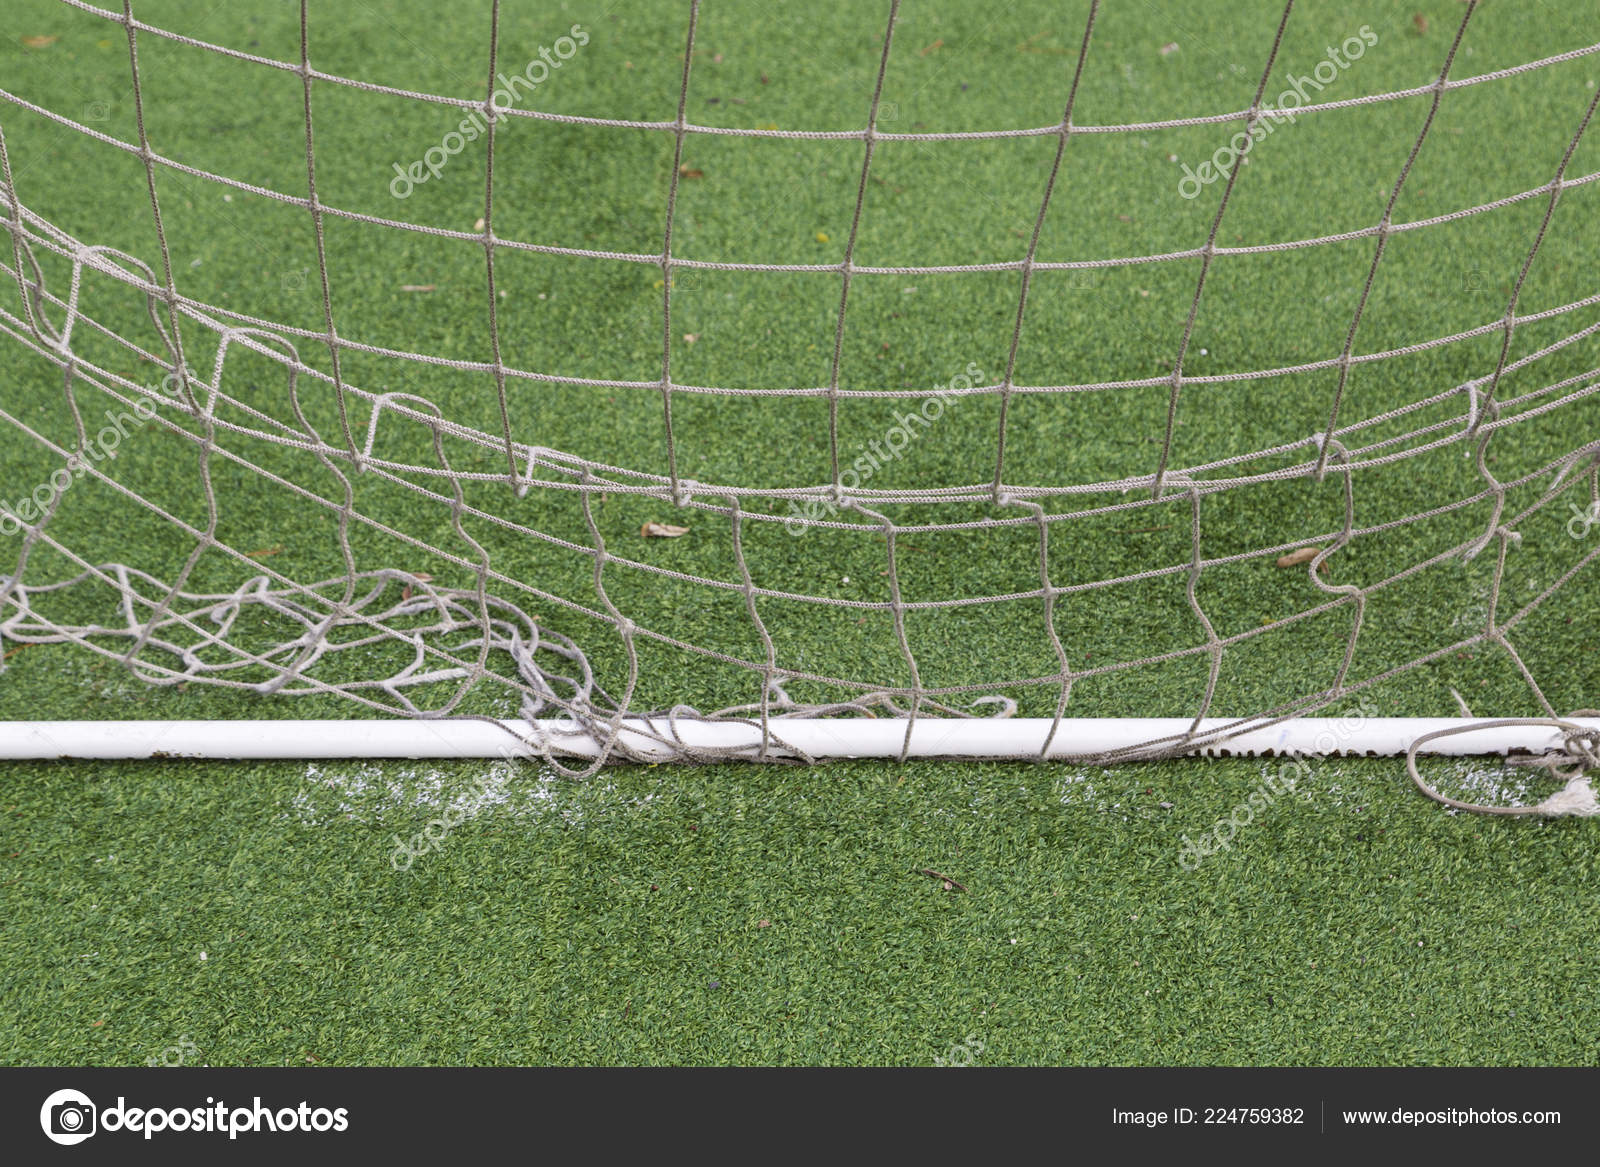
68, 1117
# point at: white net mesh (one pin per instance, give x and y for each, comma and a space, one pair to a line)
302, 510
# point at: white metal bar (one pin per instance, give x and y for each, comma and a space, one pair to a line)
820, 737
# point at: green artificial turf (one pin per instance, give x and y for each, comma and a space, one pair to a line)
752, 915
254, 911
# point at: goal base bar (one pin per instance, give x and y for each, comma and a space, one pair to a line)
816, 738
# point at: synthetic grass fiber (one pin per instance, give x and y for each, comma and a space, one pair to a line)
310, 914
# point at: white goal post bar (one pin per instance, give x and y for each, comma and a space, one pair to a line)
966, 738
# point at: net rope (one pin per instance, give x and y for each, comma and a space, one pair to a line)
169, 633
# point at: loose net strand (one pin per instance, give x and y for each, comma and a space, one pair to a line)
168, 633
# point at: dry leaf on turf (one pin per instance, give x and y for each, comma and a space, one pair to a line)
1304, 555
662, 531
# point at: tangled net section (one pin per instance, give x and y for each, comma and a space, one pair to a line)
384, 637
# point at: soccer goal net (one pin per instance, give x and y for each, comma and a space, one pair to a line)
640, 386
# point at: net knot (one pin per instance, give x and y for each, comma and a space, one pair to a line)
1579, 752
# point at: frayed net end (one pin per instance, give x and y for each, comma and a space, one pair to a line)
1576, 798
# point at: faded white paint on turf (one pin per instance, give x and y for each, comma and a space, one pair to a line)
406, 797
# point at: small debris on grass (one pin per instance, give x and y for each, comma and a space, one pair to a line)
949, 884
418, 287
1169, 48
420, 577
822, 236
1304, 555
1420, 22
478, 226
763, 923
39, 42
934, 47
662, 531
685, 171
690, 337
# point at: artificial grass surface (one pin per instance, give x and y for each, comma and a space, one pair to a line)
254, 911
532, 935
